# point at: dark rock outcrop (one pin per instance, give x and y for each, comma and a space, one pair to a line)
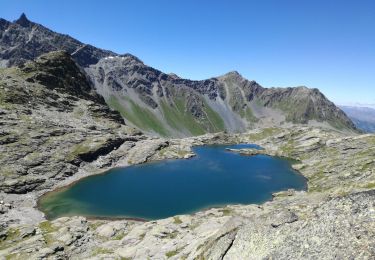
51, 121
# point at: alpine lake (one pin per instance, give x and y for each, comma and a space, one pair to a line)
215, 177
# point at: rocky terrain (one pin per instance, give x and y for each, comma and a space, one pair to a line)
166, 105
334, 219
57, 127
51, 121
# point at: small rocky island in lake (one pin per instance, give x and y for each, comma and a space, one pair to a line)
69, 110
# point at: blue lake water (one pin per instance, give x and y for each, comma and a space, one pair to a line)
215, 177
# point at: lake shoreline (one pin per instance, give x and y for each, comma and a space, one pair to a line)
205, 156
324, 159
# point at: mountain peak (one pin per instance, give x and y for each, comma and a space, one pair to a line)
174, 76
131, 56
231, 74
23, 21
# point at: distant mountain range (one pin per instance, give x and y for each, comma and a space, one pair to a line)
363, 117
164, 104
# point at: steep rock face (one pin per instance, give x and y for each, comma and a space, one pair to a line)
24, 40
164, 104
51, 122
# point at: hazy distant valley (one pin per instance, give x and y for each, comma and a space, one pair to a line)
362, 117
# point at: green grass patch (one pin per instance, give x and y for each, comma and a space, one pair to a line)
179, 119
142, 236
84, 148
288, 148
177, 220
17, 256
226, 211
119, 235
317, 176
370, 185
101, 250
95, 225
47, 228
173, 235
11, 235
141, 117
216, 122
171, 253
264, 133
248, 114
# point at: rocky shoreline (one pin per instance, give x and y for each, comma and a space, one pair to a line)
341, 178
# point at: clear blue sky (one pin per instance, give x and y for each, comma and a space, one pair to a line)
325, 44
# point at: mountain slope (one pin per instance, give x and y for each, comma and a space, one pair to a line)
51, 122
165, 104
363, 117
24, 40
168, 105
